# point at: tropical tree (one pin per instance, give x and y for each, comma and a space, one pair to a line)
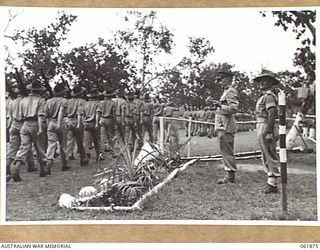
42, 57
145, 41
97, 64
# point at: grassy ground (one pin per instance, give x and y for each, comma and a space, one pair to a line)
193, 194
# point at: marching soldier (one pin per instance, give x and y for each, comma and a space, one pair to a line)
8, 101
194, 117
186, 115
130, 121
139, 117
225, 123
147, 117
266, 113
106, 119
210, 118
168, 111
120, 115
173, 127
91, 127
74, 123
31, 113
55, 111
202, 117
15, 123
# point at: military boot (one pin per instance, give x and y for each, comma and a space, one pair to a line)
268, 189
44, 170
230, 178
15, 171
31, 167
9, 161
65, 167
84, 162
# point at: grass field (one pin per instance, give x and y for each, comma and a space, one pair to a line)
193, 194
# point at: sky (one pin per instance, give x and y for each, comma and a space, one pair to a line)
240, 36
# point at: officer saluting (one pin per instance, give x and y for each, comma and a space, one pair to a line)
225, 123
266, 113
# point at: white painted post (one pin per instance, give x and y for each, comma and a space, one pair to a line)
312, 133
305, 131
283, 149
161, 136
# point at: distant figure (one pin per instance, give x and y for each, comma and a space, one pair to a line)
147, 117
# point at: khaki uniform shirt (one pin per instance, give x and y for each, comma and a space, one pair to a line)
75, 107
120, 105
14, 109
168, 111
130, 109
266, 101
139, 104
53, 106
106, 108
224, 119
90, 110
32, 106
148, 108
158, 109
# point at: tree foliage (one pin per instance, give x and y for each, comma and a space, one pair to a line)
146, 40
97, 64
302, 23
42, 47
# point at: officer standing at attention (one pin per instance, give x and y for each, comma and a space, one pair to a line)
31, 114
74, 124
225, 123
266, 113
55, 111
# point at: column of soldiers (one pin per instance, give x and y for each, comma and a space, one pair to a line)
42, 126
204, 114
38, 124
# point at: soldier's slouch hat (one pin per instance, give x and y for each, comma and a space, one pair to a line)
224, 73
94, 93
267, 74
130, 94
77, 90
108, 93
35, 85
119, 92
59, 89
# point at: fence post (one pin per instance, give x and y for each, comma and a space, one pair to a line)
189, 136
161, 135
283, 150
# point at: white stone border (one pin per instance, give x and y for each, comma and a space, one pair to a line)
139, 204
